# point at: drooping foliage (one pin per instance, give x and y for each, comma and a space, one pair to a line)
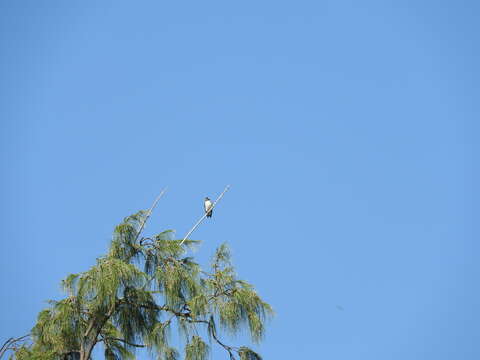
133, 297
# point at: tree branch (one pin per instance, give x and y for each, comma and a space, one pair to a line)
150, 212
96, 324
124, 341
204, 215
230, 349
187, 316
10, 344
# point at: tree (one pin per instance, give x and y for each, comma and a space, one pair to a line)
141, 289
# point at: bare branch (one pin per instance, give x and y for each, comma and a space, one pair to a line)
5, 347
150, 212
204, 215
11, 344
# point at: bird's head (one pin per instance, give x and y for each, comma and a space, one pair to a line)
207, 198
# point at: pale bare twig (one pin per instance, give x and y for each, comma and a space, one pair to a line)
150, 212
204, 215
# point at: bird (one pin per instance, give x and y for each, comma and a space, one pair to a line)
208, 207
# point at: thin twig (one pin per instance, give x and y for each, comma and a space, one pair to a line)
204, 215
11, 343
150, 212
5, 346
230, 349
124, 341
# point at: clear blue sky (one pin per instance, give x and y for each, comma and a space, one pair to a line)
346, 129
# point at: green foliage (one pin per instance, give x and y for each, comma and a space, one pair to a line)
169, 354
196, 349
247, 354
134, 295
235, 302
32, 353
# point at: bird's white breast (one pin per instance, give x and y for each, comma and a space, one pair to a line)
208, 205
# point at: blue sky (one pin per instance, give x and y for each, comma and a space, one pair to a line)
347, 130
